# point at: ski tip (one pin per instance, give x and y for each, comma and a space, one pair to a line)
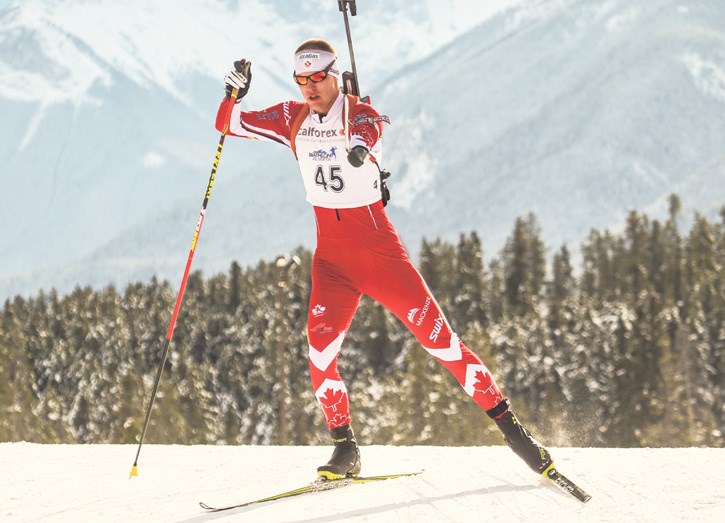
134, 472
565, 484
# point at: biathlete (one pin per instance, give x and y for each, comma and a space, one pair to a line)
337, 142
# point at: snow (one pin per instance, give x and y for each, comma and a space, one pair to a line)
419, 173
619, 22
159, 44
707, 75
91, 483
152, 159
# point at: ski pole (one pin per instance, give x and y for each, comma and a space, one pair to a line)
343, 5
182, 287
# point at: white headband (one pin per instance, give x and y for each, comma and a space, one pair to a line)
312, 61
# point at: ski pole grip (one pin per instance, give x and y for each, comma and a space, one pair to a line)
347, 3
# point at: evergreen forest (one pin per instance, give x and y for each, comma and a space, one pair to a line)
623, 348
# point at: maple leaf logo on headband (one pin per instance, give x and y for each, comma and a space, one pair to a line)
307, 63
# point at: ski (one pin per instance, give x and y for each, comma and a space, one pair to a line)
318, 485
565, 484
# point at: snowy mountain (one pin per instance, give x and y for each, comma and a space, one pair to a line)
107, 137
576, 110
90, 483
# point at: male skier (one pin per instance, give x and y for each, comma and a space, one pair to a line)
358, 249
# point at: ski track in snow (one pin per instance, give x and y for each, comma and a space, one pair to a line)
91, 483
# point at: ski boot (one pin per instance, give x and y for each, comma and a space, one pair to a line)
345, 460
523, 443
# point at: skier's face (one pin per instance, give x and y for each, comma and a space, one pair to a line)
321, 95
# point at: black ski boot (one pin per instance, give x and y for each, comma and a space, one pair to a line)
523, 443
345, 460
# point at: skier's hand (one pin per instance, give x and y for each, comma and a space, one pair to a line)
240, 77
357, 155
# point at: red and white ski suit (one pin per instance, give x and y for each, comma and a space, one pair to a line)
358, 249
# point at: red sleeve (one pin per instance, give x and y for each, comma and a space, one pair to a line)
271, 124
223, 114
367, 124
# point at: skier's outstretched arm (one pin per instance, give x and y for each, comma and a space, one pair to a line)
271, 124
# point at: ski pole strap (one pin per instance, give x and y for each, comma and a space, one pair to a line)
346, 117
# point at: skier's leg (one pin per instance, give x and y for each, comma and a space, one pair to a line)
333, 302
402, 290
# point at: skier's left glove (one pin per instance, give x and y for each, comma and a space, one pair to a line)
240, 77
357, 155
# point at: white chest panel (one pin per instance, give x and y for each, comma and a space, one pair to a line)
330, 181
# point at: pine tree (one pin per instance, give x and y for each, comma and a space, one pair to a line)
524, 266
706, 322
600, 274
560, 290
494, 301
522, 345
677, 376
8, 330
469, 281
437, 266
235, 286
645, 342
16, 394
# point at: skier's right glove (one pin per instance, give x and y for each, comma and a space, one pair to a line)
240, 77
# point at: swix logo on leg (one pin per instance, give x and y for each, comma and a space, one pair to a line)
318, 310
437, 326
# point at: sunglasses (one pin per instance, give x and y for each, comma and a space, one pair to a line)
302, 79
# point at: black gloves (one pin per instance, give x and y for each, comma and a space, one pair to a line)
240, 77
357, 155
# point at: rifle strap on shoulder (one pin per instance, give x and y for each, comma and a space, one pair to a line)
350, 103
296, 124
